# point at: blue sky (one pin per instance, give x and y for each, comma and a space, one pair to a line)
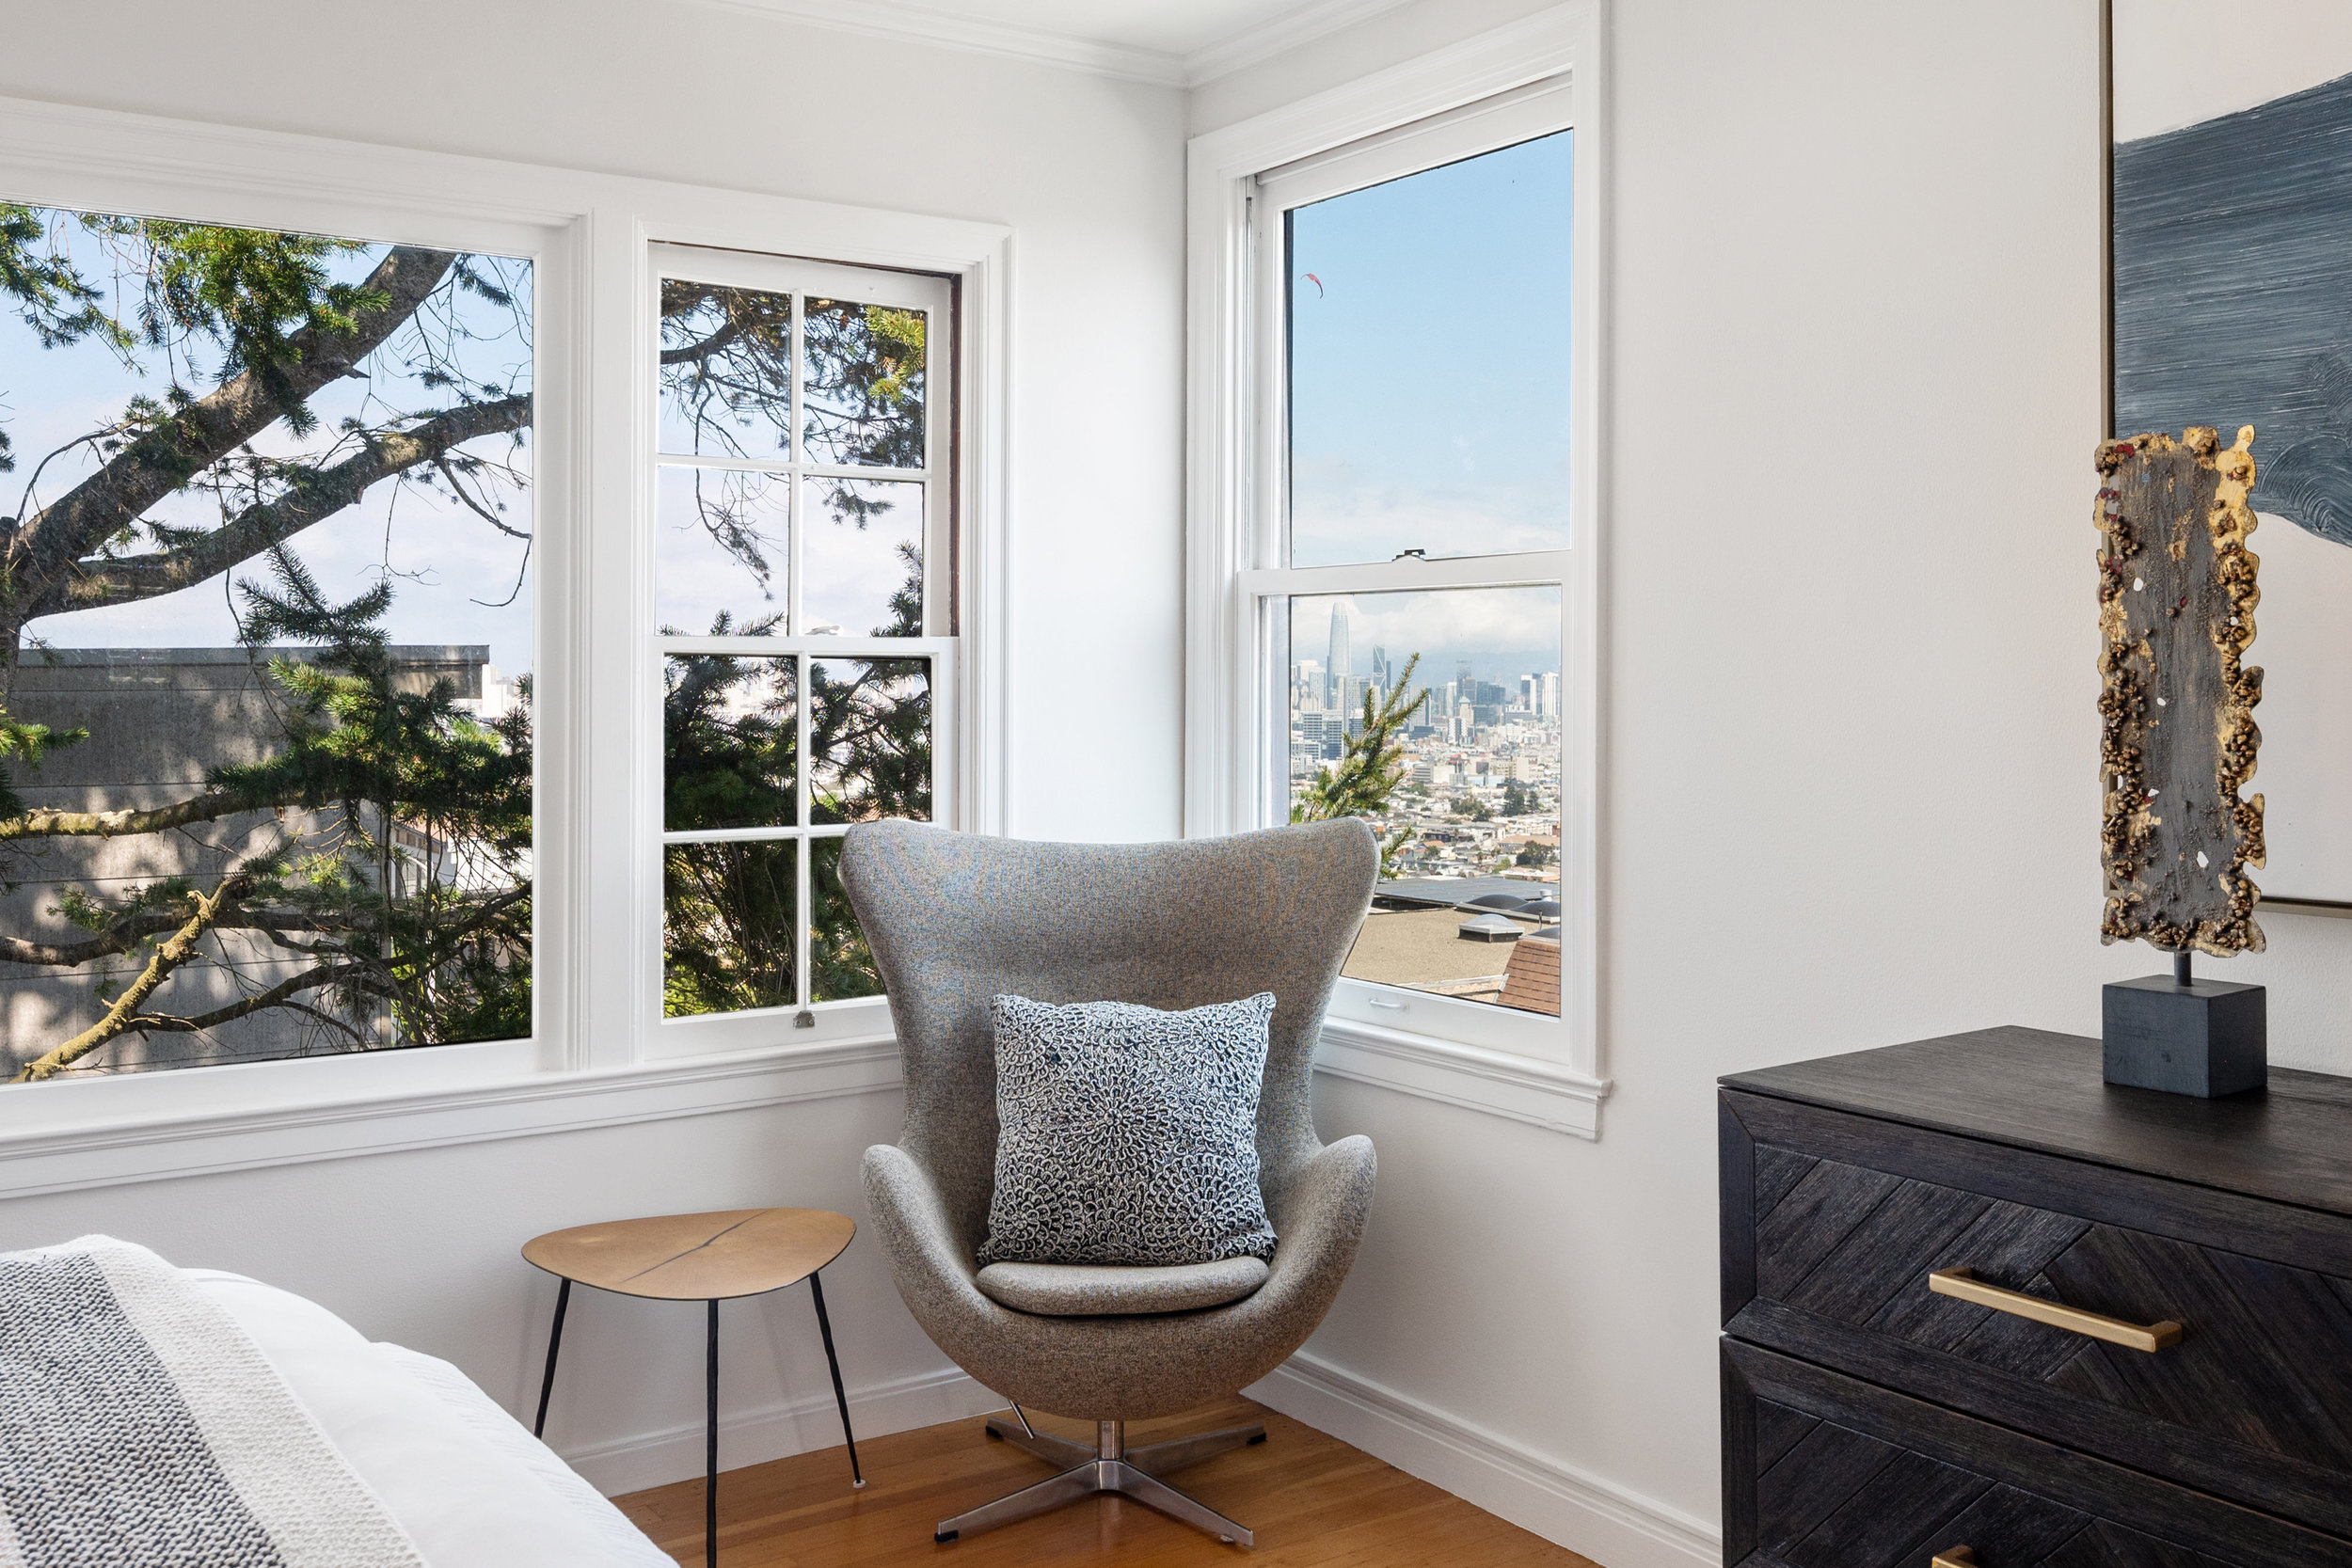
442, 559
1429, 402
1429, 362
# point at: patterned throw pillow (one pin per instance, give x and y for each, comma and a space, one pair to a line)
1126, 1134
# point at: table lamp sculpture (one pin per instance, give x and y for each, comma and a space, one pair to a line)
2177, 740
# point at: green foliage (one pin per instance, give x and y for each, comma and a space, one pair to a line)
728, 743
243, 292
27, 744
1518, 800
1473, 808
47, 292
727, 738
246, 290
727, 937
866, 365
424, 893
1371, 767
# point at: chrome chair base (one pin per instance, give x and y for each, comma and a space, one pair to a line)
1110, 1465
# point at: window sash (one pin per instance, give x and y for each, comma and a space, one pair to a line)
803, 280
1259, 687
936, 653
812, 1022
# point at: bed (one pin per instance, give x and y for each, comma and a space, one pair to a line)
153, 1416
468, 1483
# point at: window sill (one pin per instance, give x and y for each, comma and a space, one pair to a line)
154, 1148
1522, 1088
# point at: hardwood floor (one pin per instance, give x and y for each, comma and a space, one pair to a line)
1313, 1502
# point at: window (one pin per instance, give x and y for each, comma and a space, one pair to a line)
266, 759
1412, 538
428, 606
803, 612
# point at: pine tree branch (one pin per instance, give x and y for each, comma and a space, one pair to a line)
98, 583
704, 350
210, 806
169, 958
278, 995
121, 937
45, 547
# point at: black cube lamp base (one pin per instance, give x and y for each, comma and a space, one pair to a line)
2184, 1036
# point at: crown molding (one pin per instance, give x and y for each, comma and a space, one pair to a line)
1127, 62
1278, 35
885, 19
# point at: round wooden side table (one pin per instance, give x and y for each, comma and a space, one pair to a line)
706, 1258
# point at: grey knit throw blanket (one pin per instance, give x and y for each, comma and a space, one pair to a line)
140, 1428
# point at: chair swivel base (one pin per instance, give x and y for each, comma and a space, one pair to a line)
1110, 1465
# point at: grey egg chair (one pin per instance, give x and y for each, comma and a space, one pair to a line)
955, 920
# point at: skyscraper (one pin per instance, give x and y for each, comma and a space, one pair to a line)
1342, 665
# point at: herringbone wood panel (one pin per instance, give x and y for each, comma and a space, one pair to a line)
1313, 1502
1856, 1246
1830, 1497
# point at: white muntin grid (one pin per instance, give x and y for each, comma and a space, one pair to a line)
796, 645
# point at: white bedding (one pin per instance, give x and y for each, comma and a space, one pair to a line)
469, 1484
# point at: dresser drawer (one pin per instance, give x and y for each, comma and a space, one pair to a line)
1834, 1221
1825, 1471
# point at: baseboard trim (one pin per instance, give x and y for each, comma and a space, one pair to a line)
1570, 1507
773, 1432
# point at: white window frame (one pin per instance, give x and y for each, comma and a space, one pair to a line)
596, 903
1529, 79
808, 1021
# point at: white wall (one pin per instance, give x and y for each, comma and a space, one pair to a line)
1851, 779
419, 1246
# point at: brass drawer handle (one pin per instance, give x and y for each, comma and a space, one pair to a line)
1955, 1557
1964, 1284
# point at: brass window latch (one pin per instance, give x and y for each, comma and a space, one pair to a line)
1965, 1285
1954, 1556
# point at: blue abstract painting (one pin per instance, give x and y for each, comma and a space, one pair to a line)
2233, 293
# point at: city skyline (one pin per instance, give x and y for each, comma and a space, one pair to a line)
1502, 633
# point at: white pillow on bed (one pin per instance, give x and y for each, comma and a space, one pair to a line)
469, 1484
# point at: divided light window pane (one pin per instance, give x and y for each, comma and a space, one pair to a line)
870, 730
840, 965
1429, 346
722, 552
862, 567
727, 370
727, 743
865, 397
382, 641
727, 926
1465, 800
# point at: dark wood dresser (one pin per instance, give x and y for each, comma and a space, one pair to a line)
2191, 1405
